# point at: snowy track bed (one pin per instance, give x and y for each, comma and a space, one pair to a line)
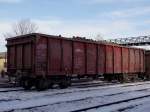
74, 99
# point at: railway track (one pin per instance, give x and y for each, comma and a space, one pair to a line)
93, 89
11, 90
76, 86
107, 85
52, 94
97, 106
7, 85
21, 89
113, 94
92, 107
82, 88
95, 84
109, 104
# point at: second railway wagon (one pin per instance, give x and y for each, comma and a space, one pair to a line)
42, 60
147, 64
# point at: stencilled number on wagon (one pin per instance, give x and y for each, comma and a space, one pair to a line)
78, 50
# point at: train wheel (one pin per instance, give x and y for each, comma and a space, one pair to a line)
108, 77
122, 78
69, 81
50, 85
41, 84
27, 83
95, 77
63, 85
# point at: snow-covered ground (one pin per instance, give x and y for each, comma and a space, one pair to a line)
66, 100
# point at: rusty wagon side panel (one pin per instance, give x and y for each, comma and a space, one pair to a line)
79, 58
109, 60
54, 56
20, 54
41, 56
131, 61
67, 57
125, 60
11, 57
137, 61
27, 58
142, 61
147, 63
117, 59
101, 59
91, 59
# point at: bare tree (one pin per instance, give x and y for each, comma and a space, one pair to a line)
22, 27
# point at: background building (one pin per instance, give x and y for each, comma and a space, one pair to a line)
3, 61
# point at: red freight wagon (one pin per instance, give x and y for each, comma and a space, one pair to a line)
42, 60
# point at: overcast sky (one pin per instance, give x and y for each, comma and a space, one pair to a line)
109, 18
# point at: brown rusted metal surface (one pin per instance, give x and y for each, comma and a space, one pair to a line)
131, 61
41, 56
91, 59
27, 56
117, 60
67, 65
55, 53
12, 57
101, 59
79, 58
142, 61
19, 56
125, 60
109, 59
147, 63
137, 61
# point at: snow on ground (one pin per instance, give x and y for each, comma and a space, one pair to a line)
56, 100
87, 102
142, 107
